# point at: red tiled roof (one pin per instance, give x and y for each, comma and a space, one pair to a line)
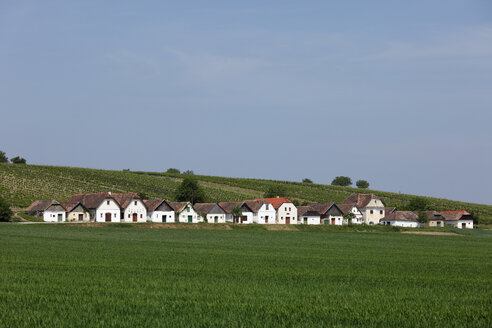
360, 200
276, 202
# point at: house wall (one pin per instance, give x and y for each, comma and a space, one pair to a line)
188, 211
108, 206
405, 224
329, 219
377, 208
52, 216
135, 206
458, 223
221, 218
266, 210
310, 220
74, 216
433, 223
249, 217
287, 210
157, 216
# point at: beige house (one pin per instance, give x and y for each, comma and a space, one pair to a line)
76, 212
371, 207
435, 219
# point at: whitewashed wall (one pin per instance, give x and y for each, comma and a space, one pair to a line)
108, 206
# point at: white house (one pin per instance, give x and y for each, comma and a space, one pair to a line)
330, 213
371, 207
55, 213
458, 219
286, 211
351, 208
108, 210
247, 213
159, 210
405, 219
132, 207
185, 213
38, 207
211, 212
308, 215
263, 211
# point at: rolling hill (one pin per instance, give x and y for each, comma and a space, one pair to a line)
22, 184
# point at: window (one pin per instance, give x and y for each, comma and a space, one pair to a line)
141, 216
101, 215
187, 209
114, 214
372, 211
267, 207
135, 203
128, 215
107, 202
381, 212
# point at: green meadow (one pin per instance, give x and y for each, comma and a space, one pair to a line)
129, 275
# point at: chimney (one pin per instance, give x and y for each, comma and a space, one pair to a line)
109, 193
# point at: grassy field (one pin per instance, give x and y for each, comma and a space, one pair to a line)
129, 275
22, 184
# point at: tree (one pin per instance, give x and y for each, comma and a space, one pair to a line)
341, 181
173, 171
306, 180
190, 191
422, 218
418, 204
275, 191
476, 217
349, 216
236, 212
189, 172
363, 184
18, 160
5, 211
3, 157
143, 195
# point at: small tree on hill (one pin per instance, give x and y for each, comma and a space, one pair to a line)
173, 171
3, 157
418, 204
189, 172
341, 181
5, 211
190, 191
274, 191
237, 212
362, 184
18, 160
306, 180
422, 218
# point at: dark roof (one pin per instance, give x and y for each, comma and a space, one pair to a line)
321, 207
40, 205
456, 215
178, 207
57, 207
360, 200
256, 204
401, 216
152, 204
203, 208
306, 211
92, 201
388, 210
227, 206
69, 206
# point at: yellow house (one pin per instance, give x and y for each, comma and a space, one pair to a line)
76, 212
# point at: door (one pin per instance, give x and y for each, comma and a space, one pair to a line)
332, 220
60, 217
81, 217
438, 223
244, 219
463, 225
216, 219
108, 217
134, 217
190, 218
287, 220
164, 218
326, 222
305, 220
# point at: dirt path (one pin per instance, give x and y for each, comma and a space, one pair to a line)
431, 233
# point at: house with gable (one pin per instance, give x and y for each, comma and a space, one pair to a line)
351, 208
55, 213
330, 213
76, 212
159, 210
308, 215
371, 207
458, 219
211, 212
435, 219
247, 212
263, 211
38, 207
407, 219
286, 211
185, 212
133, 208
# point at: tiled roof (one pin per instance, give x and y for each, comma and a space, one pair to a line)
178, 207
346, 208
388, 210
276, 202
360, 200
40, 205
306, 211
69, 206
401, 216
321, 207
456, 215
256, 204
227, 206
92, 201
203, 208
152, 204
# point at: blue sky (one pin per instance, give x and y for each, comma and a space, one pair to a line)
398, 93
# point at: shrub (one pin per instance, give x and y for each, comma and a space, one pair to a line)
18, 160
5, 211
341, 181
362, 184
174, 171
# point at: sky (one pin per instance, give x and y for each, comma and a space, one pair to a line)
398, 93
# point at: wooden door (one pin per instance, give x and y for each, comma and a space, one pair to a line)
244, 219
333, 221
134, 217
287, 220
108, 217
266, 219
81, 217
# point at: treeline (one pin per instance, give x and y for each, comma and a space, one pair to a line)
13, 160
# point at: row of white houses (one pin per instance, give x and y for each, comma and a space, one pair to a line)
128, 207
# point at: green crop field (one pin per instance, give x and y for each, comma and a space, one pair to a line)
22, 184
130, 275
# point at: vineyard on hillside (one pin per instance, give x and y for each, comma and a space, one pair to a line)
22, 184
